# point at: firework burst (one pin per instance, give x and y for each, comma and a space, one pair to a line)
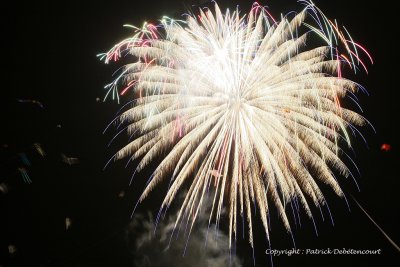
241, 104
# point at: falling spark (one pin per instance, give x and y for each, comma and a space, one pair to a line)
69, 160
24, 159
68, 223
239, 103
3, 188
31, 101
39, 149
12, 249
24, 175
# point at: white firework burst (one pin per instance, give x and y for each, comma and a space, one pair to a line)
241, 104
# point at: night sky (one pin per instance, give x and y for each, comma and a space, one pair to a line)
49, 55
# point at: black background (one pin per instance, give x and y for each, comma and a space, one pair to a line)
49, 54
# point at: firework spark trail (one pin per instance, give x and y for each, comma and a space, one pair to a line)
377, 226
240, 96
